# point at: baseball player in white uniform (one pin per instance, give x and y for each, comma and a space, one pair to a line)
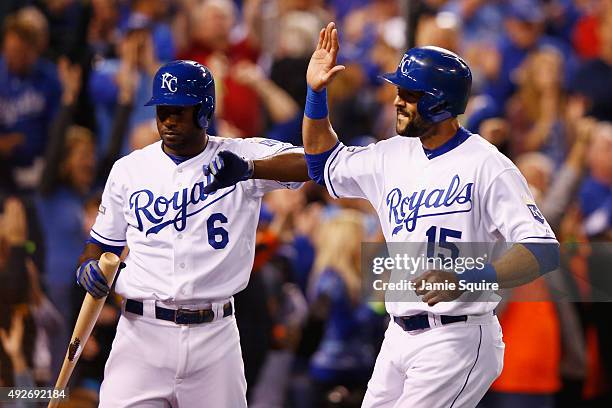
435, 183
190, 230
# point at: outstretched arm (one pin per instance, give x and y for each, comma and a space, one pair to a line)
228, 168
521, 264
318, 134
284, 167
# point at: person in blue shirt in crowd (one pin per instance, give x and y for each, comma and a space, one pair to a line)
524, 23
71, 173
346, 353
29, 98
154, 44
596, 189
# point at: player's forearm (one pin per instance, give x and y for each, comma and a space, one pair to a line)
91, 251
521, 264
283, 167
317, 132
318, 135
279, 104
516, 267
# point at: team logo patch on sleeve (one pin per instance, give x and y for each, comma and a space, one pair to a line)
102, 209
535, 211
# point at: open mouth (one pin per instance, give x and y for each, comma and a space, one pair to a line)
403, 115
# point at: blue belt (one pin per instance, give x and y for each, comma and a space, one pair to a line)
179, 316
421, 321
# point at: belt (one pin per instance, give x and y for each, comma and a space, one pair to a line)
179, 316
421, 321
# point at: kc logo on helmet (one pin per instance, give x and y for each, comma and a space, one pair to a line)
169, 82
403, 65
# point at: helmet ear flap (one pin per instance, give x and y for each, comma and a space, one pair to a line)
204, 112
433, 108
197, 116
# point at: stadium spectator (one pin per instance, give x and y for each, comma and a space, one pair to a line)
70, 175
593, 77
11, 341
441, 30
135, 48
238, 106
28, 101
16, 349
597, 187
481, 21
535, 111
524, 24
280, 107
343, 358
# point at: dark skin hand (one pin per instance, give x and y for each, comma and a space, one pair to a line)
182, 137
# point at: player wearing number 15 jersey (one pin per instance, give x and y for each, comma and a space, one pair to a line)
433, 185
191, 240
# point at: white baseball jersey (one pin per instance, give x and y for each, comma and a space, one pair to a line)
184, 245
464, 191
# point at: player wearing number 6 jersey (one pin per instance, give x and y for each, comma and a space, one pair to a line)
189, 224
436, 184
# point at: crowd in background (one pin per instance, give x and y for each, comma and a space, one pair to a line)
74, 76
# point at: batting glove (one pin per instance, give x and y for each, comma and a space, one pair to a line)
227, 169
90, 277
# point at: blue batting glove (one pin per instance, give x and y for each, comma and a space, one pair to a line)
227, 169
90, 277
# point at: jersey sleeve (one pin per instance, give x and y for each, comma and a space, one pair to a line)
110, 226
352, 172
511, 211
260, 148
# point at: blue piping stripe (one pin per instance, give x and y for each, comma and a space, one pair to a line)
539, 238
461, 136
473, 365
107, 239
329, 170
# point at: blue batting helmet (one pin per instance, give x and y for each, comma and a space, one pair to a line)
443, 77
185, 83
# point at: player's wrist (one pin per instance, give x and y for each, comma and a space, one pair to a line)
476, 275
316, 104
250, 169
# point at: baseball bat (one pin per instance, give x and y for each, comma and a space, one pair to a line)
90, 310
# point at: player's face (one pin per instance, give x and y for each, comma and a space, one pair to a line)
177, 129
409, 122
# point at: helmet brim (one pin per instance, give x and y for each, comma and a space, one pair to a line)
171, 99
404, 81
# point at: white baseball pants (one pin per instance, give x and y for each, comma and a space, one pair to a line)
450, 366
155, 364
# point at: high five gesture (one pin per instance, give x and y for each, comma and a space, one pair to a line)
322, 67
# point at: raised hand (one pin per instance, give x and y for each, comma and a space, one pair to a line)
70, 78
322, 67
15, 225
12, 340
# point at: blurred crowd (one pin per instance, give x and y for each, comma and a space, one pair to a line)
74, 77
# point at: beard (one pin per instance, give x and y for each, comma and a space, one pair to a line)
417, 127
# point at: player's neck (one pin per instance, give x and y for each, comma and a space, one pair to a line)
190, 150
440, 134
